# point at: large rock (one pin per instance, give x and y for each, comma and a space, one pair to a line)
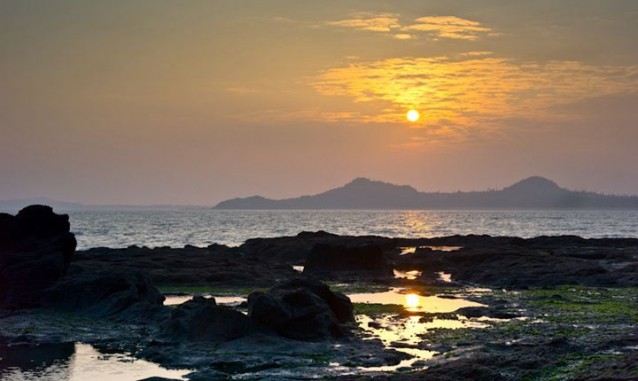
338, 261
201, 319
118, 296
301, 309
36, 248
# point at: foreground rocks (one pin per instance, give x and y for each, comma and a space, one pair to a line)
299, 328
36, 248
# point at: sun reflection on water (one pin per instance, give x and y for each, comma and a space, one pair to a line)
412, 302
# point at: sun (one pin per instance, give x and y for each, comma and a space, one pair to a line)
412, 115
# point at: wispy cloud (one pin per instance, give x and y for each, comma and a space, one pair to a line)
449, 27
381, 22
242, 90
473, 91
438, 26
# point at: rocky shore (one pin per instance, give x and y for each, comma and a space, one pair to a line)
551, 307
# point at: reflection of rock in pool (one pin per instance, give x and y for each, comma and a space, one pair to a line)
34, 357
75, 362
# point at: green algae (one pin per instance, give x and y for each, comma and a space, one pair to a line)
585, 305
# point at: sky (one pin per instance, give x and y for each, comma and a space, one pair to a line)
195, 102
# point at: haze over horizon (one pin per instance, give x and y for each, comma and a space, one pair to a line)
196, 102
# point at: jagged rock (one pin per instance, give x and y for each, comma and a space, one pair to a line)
301, 309
201, 319
128, 296
36, 248
337, 261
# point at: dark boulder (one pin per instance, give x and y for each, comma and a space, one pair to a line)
201, 319
118, 296
338, 261
301, 309
36, 248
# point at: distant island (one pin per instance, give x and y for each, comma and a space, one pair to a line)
532, 193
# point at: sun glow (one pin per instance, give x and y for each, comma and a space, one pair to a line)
412, 115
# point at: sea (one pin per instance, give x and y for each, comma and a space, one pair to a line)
177, 227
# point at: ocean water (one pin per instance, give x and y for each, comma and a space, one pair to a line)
177, 227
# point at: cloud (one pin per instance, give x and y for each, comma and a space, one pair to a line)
477, 54
439, 26
449, 27
382, 22
474, 91
403, 36
242, 90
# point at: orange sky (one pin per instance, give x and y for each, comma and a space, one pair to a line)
193, 102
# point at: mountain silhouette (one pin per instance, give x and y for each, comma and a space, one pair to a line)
361, 193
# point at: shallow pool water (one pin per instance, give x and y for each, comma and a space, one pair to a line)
409, 275
403, 333
412, 249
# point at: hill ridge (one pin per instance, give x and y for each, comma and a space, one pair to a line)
534, 192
